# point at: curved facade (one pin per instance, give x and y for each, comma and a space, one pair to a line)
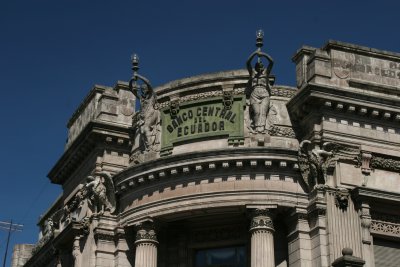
229, 169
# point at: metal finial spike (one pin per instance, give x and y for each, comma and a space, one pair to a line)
259, 38
135, 62
260, 33
135, 58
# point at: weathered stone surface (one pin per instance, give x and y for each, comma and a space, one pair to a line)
325, 167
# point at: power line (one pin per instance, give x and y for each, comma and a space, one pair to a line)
10, 227
34, 201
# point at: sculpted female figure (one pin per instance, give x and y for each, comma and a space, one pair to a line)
148, 115
260, 91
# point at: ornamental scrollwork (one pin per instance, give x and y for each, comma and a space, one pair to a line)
283, 131
386, 228
142, 235
146, 232
385, 224
261, 220
227, 99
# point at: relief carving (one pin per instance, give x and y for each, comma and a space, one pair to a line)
227, 99
368, 162
174, 108
262, 220
101, 193
146, 233
95, 197
314, 163
385, 163
342, 198
385, 224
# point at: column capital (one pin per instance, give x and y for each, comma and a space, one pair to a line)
146, 233
262, 220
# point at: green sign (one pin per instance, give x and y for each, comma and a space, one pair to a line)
202, 119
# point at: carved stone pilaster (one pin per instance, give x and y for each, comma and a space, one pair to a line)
365, 217
317, 206
146, 245
262, 239
317, 212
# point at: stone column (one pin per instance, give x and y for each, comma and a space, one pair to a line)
146, 246
76, 251
262, 239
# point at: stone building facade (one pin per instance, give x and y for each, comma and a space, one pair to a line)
229, 169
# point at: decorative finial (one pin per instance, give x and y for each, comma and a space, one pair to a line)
259, 38
135, 62
347, 252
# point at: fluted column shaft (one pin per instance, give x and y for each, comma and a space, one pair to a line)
146, 246
262, 239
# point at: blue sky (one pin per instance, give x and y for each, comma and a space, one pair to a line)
53, 52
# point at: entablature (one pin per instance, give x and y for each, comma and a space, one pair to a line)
228, 161
94, 135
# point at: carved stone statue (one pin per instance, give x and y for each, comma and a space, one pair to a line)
148, 114
148, 119
47, 234
314, 163
48, 228
101, 192
259, 88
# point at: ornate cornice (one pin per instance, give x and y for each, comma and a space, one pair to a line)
281, 91
95, 134
174, 166
361, 194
